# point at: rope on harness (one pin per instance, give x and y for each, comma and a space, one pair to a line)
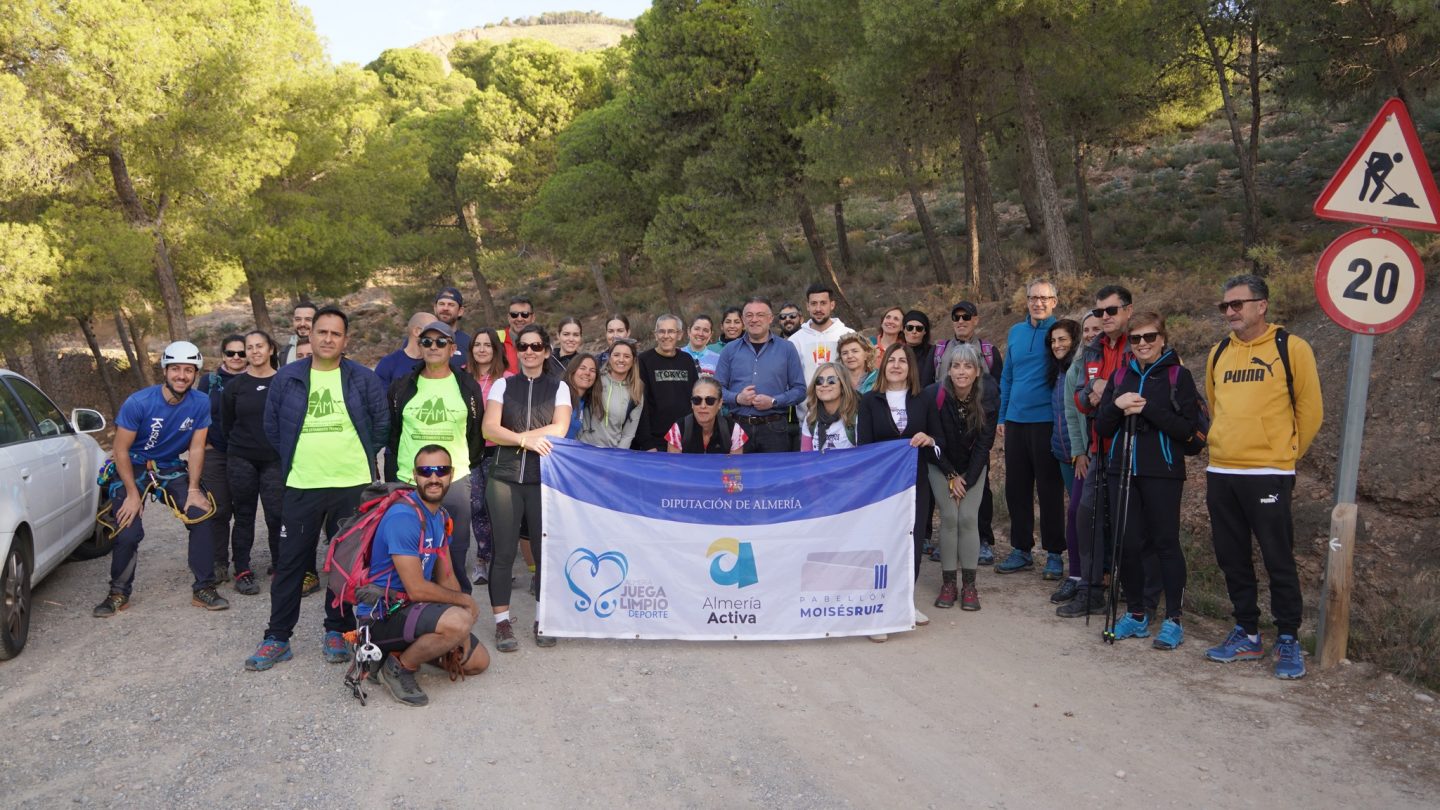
155, 481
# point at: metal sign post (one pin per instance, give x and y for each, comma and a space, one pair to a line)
1334, 635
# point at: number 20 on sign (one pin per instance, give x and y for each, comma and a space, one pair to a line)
1370, 280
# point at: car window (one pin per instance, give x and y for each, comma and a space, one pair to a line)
14, 427
48, 419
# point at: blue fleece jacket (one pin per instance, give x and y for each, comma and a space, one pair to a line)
1024, 391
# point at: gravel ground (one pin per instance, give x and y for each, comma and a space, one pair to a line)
1008, 707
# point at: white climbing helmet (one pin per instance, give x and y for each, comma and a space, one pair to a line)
181, 352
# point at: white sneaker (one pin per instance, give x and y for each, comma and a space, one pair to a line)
880, 639
921, 619
480, 573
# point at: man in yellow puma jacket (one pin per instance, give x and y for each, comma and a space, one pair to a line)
1264, 395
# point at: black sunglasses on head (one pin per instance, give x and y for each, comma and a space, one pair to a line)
429, 342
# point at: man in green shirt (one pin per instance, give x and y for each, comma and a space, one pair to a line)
434, 405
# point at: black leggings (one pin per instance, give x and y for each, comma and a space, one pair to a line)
1153, 524
509, 503
253, 482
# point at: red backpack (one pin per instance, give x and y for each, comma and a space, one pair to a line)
348, 560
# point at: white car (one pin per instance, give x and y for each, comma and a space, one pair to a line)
48, 497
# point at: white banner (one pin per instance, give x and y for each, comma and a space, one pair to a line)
705, 547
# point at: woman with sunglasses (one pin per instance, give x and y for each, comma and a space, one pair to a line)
567, 345
706, 430
487, 364
856, 356
1154, 399
252, 467
523, 413
580, 377
892, 325
214, 477
969, 403
434, 404
613, 422
831, 405
898, 410
917, 337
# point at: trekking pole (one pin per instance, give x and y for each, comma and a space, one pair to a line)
1127, 445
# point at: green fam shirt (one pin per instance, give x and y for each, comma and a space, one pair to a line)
329, 453
435, 415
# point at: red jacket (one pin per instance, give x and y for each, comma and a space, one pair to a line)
1100, 361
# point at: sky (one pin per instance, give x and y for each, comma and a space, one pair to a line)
358, 30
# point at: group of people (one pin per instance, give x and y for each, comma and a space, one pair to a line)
1095, 411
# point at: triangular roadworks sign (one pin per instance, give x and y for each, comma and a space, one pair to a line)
1385, 179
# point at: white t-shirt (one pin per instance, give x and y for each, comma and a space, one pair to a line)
898, 414
835, 437
497, 393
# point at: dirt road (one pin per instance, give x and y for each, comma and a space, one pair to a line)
1009, 707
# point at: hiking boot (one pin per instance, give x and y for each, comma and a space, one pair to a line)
1171, 635
969, 599
401, 683
505, 637
222, 573
934, 554
310, 585
1054, 567
947, 596
1087, 601
209, 598
1289, 658
987, 554
245, 583
1130, 627
1065, 592
1237, 647
335, 649
921, 619
270, 653
1016, 561
543, 641
114, 603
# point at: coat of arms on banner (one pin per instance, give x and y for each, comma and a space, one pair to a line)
731, 479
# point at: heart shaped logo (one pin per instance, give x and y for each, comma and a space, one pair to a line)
592, 577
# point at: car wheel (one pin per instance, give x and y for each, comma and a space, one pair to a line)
98, 544
14, 603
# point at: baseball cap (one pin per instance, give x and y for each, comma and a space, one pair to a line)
441, 327
451, 293
966, 307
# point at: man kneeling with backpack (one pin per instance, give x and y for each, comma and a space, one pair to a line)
426, 615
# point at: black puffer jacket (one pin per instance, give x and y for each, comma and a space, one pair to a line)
404, 390
967, 450
1162, 428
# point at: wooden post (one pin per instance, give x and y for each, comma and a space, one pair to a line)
1339, 581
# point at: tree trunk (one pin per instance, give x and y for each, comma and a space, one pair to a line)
777, 247
470, 224
1384, 31
101, 364
623, 263
822, 259
1029, 195
842, 238
135, 214
1082, 207
1057, 238
44, 359
1237, 139
672, 299
607, 301
927, 227
259, 309
142, 352
123, 332
987, 265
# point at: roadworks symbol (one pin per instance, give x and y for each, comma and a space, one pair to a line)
321, 405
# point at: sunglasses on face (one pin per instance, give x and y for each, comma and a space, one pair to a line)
1235, 305
1106, 312
828, 380
961, 316
529, 347
233, 353
1144, 337
789, 316
697, 400
432, 471
914, 327
440, 342
519, 315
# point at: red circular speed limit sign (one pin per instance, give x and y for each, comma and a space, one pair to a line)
1370, 280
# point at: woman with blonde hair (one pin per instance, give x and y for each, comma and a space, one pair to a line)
831, 407
857, 357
